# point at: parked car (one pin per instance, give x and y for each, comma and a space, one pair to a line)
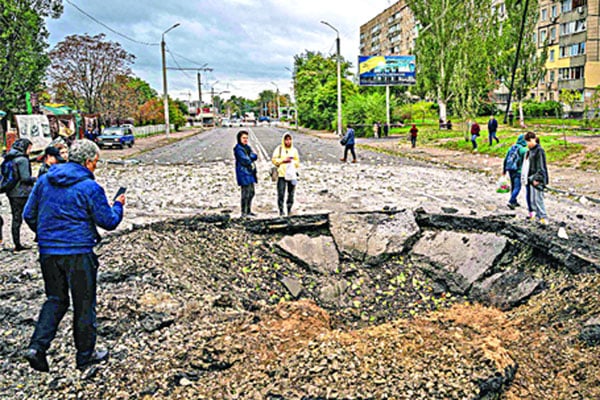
226, 123
116, 136
263, 118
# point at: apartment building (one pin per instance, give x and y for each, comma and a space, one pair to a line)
571, 31
392, 32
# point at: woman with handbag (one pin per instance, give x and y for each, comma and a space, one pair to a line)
245, 171
348, 143
287, 161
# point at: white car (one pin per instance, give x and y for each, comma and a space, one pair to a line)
226, 123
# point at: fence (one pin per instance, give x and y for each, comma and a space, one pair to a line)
142, 131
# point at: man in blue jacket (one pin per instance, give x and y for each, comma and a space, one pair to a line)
492, 129
348, 141
64, 209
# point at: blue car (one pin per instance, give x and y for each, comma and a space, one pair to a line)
116, 136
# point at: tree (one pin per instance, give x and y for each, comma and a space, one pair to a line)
532, 60
23, 43
85, 68
569, 97
448, 64
315, 86
143, 90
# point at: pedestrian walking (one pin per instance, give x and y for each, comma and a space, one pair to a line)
287, 160
513, 164
245, 171
511, 118
24, 181
348, 141
375, 130
52, 155
386, 130
413, 135
492, 129
475, 129
537, 178
64, 209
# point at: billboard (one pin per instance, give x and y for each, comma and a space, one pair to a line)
386, 70
35, 128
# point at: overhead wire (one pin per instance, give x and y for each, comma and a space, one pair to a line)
108, 27
176, 63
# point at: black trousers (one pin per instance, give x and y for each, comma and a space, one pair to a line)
75, 273
351, 148
17, 205
247, 196
281, 186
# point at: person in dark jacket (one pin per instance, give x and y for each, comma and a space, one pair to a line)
475, 129
18, 195
245, 171
51, 156
413, 135
515, 174
492, 129
349, 140
64, 210
537, 177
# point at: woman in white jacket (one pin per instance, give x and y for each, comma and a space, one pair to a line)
286, 159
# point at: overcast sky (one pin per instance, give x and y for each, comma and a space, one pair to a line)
248, 43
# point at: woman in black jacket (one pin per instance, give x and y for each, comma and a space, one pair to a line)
537, 177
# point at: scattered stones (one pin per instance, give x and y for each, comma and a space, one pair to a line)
590, 333
293, 286
459, 259
562, 233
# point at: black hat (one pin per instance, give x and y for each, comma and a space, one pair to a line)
53, 151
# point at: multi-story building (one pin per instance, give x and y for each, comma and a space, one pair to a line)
571, 30
392, 32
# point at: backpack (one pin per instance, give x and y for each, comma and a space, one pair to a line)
8, 176
512, 158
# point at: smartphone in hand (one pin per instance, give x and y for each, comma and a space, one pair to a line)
121, 191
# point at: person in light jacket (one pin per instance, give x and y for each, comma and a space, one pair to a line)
284, 157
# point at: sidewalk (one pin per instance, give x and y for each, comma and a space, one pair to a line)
565, 180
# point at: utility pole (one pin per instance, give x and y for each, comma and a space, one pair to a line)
164, 73
339, 79
277, 94
514, 70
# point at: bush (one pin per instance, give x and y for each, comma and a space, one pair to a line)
548, 108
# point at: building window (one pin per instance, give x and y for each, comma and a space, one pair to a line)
551, 79
554, 12
572, 73
567, 5
544, 15
551, 96
551, 56
542, 37
572, 50
552, 34
569, 28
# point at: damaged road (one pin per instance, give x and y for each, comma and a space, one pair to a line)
213, 307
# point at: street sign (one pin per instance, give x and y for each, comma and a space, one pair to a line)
386, 70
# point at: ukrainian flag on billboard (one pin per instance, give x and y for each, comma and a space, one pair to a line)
386, 70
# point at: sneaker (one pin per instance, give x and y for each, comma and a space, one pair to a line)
342, 159
96, 358
37, 360
251, 214
517, 204
543, 221
354, 161
511, 206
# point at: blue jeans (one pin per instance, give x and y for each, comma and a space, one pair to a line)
75, 273
515, 186
492, 136
474, 141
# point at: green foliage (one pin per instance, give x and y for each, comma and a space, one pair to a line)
143, 90
569, 97
365, 109
454, 50
177, 114
416, 112
315, 86
533, 108
23, 59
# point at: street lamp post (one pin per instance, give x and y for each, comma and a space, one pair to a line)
164, 73
339, 80
294, 95
277, 94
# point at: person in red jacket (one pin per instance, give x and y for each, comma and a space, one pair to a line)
413, 135
475, 129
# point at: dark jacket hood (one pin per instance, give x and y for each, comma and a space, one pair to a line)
15, 152
68, 174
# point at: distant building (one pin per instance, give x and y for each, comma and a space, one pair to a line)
392, 32
570, 29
